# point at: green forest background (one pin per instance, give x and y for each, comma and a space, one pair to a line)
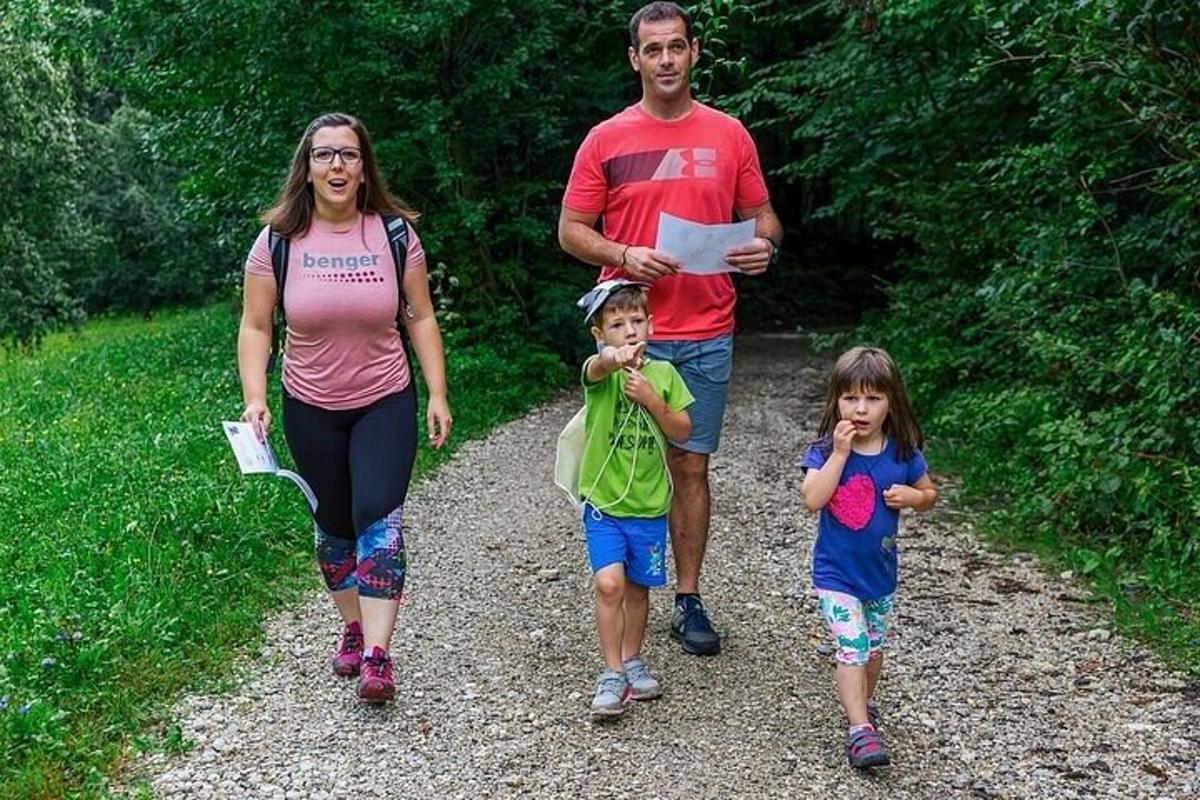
1003, 194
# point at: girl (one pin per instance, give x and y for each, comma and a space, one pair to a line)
865, 467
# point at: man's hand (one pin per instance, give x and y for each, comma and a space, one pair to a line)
638, 389
647, 264
752, 258
629, 355
843, 435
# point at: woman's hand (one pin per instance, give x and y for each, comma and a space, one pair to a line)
259, 416
843, 435
438, 420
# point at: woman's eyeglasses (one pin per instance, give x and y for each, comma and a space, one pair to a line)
324, 155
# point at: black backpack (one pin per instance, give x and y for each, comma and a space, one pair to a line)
397, 233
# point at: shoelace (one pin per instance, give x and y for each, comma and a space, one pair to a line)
351, 642
695, 614
636, 670
613, 683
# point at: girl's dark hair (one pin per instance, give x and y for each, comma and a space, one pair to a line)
872, 369
293, 210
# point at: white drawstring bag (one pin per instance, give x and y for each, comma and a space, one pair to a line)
568, 457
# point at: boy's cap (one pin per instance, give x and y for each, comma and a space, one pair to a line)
591, 302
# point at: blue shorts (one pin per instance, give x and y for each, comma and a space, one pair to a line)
640, 543
705, 366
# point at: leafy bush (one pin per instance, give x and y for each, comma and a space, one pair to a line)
1037, 165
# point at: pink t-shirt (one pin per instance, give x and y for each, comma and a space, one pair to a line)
342, 349
700, 167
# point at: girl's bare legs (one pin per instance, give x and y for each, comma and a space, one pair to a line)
852, 691
874, 667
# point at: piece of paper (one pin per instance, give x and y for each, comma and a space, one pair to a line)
255, 456
701, 248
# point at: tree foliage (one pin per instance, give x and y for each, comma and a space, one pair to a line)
1038, 164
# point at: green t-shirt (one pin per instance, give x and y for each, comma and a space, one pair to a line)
623, 473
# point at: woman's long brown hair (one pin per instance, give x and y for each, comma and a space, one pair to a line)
872, 369
293, 210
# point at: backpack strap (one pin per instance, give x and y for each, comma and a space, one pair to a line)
397, 233
280, 250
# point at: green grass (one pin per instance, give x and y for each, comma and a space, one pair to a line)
135, 559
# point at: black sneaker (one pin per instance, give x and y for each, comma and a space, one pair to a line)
690, 625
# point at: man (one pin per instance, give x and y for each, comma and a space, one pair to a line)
670, 153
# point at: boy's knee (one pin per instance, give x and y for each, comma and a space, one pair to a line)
610, 584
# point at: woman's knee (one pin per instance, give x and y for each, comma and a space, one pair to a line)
382, 558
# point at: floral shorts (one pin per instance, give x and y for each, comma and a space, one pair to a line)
859, 627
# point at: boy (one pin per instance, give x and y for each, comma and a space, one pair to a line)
623, 480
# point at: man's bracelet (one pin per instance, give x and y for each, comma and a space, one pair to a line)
623, 252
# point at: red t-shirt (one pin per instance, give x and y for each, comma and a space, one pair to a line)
700, 167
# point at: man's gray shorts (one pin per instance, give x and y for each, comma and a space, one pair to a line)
705, 366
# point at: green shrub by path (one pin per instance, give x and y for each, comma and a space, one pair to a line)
136, 559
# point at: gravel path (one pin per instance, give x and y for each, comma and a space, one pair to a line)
1002, 681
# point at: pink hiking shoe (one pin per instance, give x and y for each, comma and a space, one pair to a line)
375, 683
349, 655
864, 748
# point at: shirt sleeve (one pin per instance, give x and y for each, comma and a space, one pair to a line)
916, 467
813, 459
415, 255
751, 187
587, 188
258, 260
589, 386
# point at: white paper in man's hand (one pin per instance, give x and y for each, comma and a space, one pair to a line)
701, 248
254, 456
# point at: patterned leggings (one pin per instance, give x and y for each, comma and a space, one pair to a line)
358, 462
859, 627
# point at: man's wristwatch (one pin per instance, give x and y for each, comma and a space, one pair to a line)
774, 249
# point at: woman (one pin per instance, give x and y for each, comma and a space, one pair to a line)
349, 406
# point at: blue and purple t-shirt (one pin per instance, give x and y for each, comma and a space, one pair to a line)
856, 534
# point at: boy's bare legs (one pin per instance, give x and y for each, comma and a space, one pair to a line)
637, 611
611, 591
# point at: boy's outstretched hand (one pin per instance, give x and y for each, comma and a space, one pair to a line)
628, 355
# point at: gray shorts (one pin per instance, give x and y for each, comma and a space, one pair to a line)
705, 366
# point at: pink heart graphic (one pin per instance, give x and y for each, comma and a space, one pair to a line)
854, 502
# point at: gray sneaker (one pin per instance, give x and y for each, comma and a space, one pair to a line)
612, 694
644, 685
